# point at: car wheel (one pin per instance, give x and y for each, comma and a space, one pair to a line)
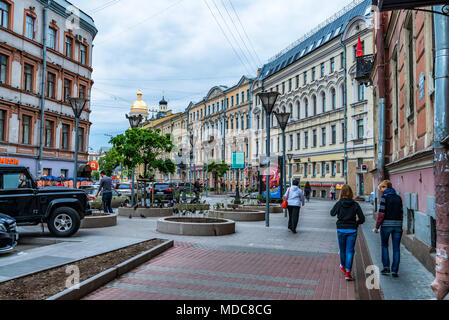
64, 222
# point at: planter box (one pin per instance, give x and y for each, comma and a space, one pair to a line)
199, 206
99, 221
274, 208
238, 216
147, 212
196, 226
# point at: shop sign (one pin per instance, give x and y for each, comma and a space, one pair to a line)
315, 184
13, 161
338, 186
93, 165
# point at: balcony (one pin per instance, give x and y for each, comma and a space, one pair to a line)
363, 68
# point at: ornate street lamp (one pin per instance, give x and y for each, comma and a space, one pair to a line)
290, 157
268, 99
134, 122
283, 120
78, 105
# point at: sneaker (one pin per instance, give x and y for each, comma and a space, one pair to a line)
394, 275
385, 271
348, 276
343, 269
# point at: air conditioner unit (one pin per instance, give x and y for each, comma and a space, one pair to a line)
79, 38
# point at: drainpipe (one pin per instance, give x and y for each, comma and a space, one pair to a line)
44, 74
440, 285
345, 130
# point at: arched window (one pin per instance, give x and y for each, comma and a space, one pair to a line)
306, 108
333, 99
290, 109
298, 110
314, 104
323, 102
342, 94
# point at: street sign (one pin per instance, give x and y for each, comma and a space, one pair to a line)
238, 160
93, 165
125, 173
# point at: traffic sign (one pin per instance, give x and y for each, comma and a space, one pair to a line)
93, 165
238, 160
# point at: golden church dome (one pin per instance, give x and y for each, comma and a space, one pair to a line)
139, 106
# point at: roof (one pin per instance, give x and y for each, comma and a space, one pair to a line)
318, 38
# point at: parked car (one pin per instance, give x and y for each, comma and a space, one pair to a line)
90, 189
185, 186
8, 233
118, 200
125, 189
60, 207
163, 192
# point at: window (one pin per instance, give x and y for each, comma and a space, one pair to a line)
298, 141
67, 90
314, 105
243, 96
232, 101
328, 36
306, 168
83, 53
46, 172
257, 148
333, 99
332, 65
2, 125
313, 74
342, 132
4, 14
82, 92
341, 61
237, 123
289, 85
337, 31
334, 168
283, 87
14, 181
306, 139
323, 169
28, 77
306, 109
278, 144
48, 133
51, 42
290, 146
237, 98
3, 65
68, 47
80, 139
297, 82
247, 121
361, 92
323, 136
298, 109
360, 129
322, 69
242, 122
26, 130
29, 27
232, 124
334, 134
314, 169
247, 94
51, 80
323, 102
65, 173
314, 138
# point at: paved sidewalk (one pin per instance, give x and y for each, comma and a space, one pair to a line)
254, 263
414, 279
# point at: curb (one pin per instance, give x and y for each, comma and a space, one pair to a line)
95, 282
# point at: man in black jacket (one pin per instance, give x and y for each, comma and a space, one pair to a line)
390, 217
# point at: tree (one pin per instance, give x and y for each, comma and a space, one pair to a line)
110, 161
218, 170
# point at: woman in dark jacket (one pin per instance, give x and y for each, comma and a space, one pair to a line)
347, 210
307, 190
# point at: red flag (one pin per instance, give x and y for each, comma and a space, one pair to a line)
359, 52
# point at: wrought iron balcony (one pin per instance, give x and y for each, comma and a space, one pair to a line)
364, 67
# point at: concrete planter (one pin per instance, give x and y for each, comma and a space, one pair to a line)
195, 226
239, 214
198, 206
99, 221
146, 212
274, 208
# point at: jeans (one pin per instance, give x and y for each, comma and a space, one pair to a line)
107, 198
346, 242
396, 234
293, 217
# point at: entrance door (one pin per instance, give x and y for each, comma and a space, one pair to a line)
360, 185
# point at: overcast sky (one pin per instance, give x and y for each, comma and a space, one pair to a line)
177, 47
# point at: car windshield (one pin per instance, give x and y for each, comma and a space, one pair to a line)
161, 186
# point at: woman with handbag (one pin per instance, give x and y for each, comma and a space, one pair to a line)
293, 199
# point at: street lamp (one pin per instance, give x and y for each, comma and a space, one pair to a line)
268, 99
283, 120
134, 122
78, 105
289, 156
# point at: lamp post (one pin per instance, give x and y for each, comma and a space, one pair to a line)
289, 156
134, 122
78, 105
283, 120
268, 99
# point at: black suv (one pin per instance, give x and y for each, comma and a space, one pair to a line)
61, 208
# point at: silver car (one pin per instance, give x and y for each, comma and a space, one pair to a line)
124, 189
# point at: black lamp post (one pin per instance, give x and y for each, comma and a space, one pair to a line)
290, 157
268, 99
134, 122
283, 120
78, 105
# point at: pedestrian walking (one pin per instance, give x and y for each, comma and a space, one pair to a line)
308, 191
106, 186
347, 211
332, 192
294, 197
389, 220
197, 190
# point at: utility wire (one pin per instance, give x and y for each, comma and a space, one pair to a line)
238, 56
238, 33
104, 6
243, 28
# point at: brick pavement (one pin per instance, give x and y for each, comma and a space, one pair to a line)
255, 263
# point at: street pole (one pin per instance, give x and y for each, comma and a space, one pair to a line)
75, 169
207, 172
283, 167
132, 189
267, 195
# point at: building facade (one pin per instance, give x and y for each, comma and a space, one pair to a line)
27, 86
220, 125
330, 123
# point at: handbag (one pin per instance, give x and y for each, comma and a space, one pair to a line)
285, 202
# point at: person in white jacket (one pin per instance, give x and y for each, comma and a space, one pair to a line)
295, 198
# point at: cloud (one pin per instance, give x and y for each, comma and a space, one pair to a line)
177, 47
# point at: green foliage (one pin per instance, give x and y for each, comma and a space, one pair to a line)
144, 146
260, 198
110, 161
96, 175
218, 170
